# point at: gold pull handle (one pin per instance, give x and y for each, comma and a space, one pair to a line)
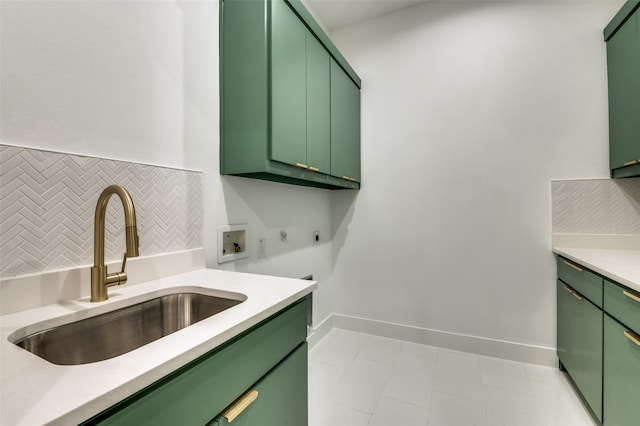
568, 289
577, 295
630, 163
574, 266
314, 169
302, 166
632, 336
241, 404
346, 178
631, 295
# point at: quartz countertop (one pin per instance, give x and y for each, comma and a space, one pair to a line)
34, 391
621, 266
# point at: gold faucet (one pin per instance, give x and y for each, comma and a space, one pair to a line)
100, 278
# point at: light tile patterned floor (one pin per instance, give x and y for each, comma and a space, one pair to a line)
358, 379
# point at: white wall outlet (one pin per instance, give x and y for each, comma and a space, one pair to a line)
316, 238
262, 253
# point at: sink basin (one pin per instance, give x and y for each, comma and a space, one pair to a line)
120, 331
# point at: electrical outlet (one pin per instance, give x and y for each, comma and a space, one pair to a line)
262, 242
316, 238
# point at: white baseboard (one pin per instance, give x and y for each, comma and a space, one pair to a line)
320, 331
443, 339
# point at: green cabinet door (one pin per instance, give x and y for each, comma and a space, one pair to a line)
345, 125
587, 350
244, 87
621, 374
623, 67
565, 324
580, 344
281, 396
288, 85
318, 106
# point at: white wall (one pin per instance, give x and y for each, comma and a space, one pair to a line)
469, 109
138, 81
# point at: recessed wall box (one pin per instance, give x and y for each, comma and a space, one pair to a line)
232, 242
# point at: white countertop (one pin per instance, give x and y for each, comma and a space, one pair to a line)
34, 391
621, 266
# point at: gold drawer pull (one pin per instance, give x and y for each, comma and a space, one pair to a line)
577, 295
630, 163
632, 336
346, 178
574, 266
241, 404
302, 166
631, 295
314, 169
568, 289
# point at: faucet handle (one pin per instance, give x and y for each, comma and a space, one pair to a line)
124, 263
117, 278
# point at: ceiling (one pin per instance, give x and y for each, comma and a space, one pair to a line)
335, 14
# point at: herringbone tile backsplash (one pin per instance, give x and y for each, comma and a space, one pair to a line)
597, 206
48, 201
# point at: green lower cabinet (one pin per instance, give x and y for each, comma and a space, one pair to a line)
281, 399
196, 393
580, 344
621, 374
600, 348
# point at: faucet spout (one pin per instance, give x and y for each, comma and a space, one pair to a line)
100, 278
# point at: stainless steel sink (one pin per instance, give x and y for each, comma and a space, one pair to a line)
117, 332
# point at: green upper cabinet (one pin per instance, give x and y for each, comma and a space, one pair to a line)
281, 105
623, 67
345, 125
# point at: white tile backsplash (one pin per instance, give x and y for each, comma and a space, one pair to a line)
596, 206
47, 209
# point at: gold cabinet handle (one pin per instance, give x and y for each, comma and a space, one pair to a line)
630, 163
314, 169
574, 266
631, 295
632, 336
302, 166
568, 289
346, 178
241, 404
577, 295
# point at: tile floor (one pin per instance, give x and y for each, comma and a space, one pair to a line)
358, 379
